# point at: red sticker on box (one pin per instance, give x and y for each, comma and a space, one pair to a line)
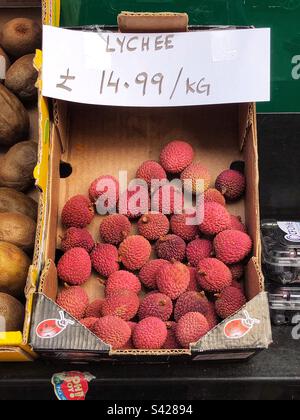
71, 386
239, 328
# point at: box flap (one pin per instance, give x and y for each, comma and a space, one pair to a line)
153, 22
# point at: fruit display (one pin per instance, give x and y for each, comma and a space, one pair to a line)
166, 281
19, 39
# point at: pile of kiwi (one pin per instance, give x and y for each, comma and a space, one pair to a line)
19, 39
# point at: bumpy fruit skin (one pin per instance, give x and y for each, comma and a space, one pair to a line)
196, 172
114, 229
211, 316
191, 328
105, 259
214, 196
77, 238
113, 330
73, 300
89, 323
129, 345
94, 310
171, 342
168, 200
237, 271
176, 156
237, 224
191, 302
193, 286
173, 279
197, 250
135, 252
133, 204
181, 228
153, 225
231, 184
75, 267
216, 219
107, 185
148, 273
238, 285
157, 305
150, 171
122, 280
213, 275
171, 247
230, 301
78, 212
232, 246
123, 303
150, 334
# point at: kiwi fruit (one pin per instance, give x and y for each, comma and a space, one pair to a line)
21, 36
17, 229
12, 201
14, 119
14, 266
17, 166
4, 61
12, 314
21, 79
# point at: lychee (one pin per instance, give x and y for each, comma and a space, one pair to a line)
114, 229
78, 212
232, 246
135, 252
191, 328
214, 196
148, 273
191, 302
105, 259
171, 342
105, 185
89, 323
237, 271
231, 184
123, 303
237, 224
230, 301
213, 275
211, 316
150, 334
135, 202
216, 219
193, 286
113, 330
238, 285
180, 226
150, 171
173, 279
168, 199
157, 305
176, 156
77, 238
129, 345
196, 172
73, 300
75, 267
197, 250
153, 225
94, 310
122, 280
171, 247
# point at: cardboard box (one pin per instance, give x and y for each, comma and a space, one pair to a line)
14, 345
95, 140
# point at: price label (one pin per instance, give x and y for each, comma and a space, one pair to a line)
158, 70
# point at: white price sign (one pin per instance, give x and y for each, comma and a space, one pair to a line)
157, 70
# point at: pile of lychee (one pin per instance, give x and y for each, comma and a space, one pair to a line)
167, 283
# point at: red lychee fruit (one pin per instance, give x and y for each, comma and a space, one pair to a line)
89, 323
148, 273
113, 330
237, 271
122, 280
94, 310
171, 342
237, 224
153, 225
150, 334
180, 226
176, 156
135, 202
77, 238
231, 184
197, 250
78, 212
173, 279
105, 185
230, 301
232, 246
171, 247
214, 196
73, 300
135, 252
191, 328
75, 267
195, 173
191, 302
150, 171
105, 259
193, 286
213, 275
211, 316
123, 303
157, 305
114, 229
216, 219
167, 200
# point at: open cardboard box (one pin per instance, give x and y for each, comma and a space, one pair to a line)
14, 345
97, 140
